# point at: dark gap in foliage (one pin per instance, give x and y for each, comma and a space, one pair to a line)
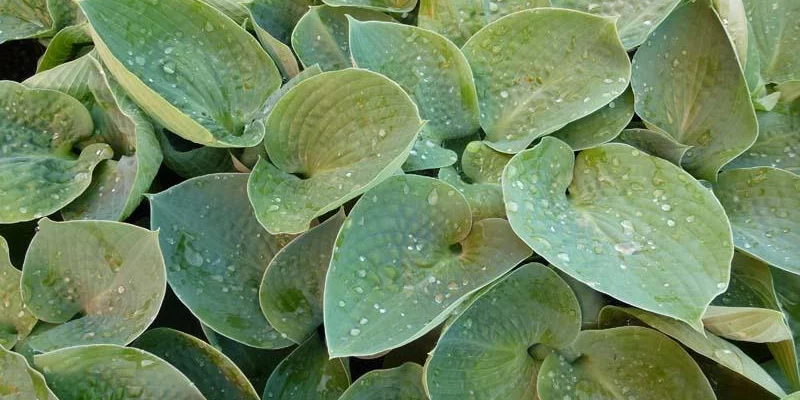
18, 59
180, 144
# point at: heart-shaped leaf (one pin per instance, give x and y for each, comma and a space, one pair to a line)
307, 373
189, 66
400, 383
774, 25
623, 363
106, 371
458, 20
778, 143
635, 19
291, 290
763, 205
655, 143
358, 129
633, 226
16, 321
39, 174
428, 154
697, 94
600, 126
494, 349
404, 259
322, 35
216, 376
706, 344
19, 380
109, 275
216, 253
527, 90
482, 167
395, 6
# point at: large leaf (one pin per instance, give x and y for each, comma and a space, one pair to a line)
600, 126
39, 174
307, 373
458, 20
707, 344
216, 253
322, 35
71, 77
494, 349
778, 143
22, 19
633, 226
395, 6
559, 66
400, 383
774, 25
108, 371
763, 205
404, 259
358, 127
102, 281
635, 19
697, 94
19, 381
291, 290
216, 376
16, 321
623, 363
189, 66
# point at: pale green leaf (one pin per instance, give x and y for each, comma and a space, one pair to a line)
71, 77
494, 349
281, 53
216, 253
734, 18
23, 19
19, 381
428, 154
191, 68
65, 46
775, 25
16, 321
778, 143
623, 363
234, 9
697, 94
400, 383
531, 85
359, 127
747, 324
107, 371
655, 143
407, 255
633, 226
600, 126
394, 6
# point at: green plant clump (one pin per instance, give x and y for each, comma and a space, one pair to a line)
401, 200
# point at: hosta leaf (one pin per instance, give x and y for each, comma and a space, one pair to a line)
600, 126
787, 288
307, 373
485, 199
189, 160
778, 143
281, 53
234, 9
428, 66
655, 143
358, 129
65, 46
109, 371
763, 205
71, 77
19, 381
633, 226
216, 253
38, 172
790, 90
279, 17
118, 185
291, 290
734, 18
458, 20
707, 344
23, 19
748, 324
635, 19
395, 6
590, 300
534, 84
614, 364
321, 35
400, 383
428, 154
404, 259
495, 348
256, 364
775, 27
188, 66
481, 164
697, 94
102, 281
216, 376
16, 321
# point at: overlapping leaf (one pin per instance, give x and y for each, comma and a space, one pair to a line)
401, 383
395, 6
600, 126
778, 143
16, 321
775, 27
19, 380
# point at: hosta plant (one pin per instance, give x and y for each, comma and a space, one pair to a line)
400, 200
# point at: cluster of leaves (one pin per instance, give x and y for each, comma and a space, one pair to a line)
554, 199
